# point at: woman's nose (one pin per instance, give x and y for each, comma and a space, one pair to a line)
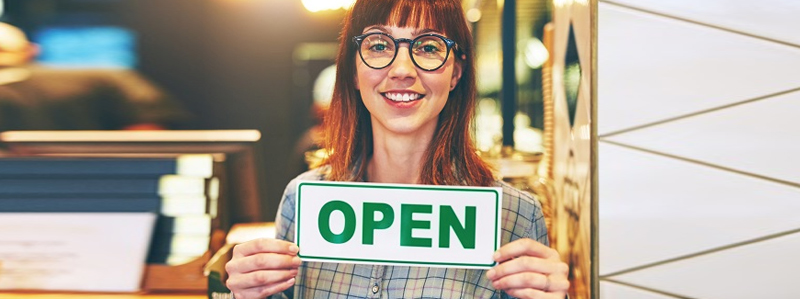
402, 67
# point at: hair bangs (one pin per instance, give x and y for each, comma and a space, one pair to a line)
426, 14
418, 14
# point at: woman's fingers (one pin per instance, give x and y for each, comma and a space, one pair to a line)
532, 280
522, 280
264, 245
522, 247
528, 263
262, 267
532, 294
263, 261
260, 278
529, 269
263, 291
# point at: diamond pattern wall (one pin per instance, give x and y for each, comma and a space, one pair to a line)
699, 182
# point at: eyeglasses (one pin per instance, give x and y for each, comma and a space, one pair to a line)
428, 51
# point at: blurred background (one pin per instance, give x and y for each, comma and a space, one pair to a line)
697, 140
229, 63
258, 64
266, 65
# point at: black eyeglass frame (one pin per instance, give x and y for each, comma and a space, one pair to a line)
451, 45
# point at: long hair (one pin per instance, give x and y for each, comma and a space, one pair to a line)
451, 158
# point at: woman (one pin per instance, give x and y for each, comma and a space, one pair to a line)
403, 101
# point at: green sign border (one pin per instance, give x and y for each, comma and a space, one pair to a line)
412, 187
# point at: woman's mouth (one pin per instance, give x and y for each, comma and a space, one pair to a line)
402, 96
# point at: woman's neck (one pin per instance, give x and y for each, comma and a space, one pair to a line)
396, 159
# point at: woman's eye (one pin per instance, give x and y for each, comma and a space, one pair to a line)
378, 47
430, 49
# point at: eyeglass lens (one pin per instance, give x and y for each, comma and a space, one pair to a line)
429, 52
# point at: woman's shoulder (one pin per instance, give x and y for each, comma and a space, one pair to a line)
522, 215
316, 174
514, 191
516, 199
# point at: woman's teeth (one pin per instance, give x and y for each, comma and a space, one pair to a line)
402, 97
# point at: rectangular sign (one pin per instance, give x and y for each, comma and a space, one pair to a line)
396, 224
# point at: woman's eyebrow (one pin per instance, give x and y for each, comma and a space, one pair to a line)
376, 27
425, 30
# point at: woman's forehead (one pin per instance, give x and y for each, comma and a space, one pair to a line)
394, 28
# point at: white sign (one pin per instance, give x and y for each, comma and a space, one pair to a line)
394, 224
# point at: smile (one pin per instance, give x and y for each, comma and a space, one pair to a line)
402, 97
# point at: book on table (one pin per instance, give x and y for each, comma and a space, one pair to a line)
193, 165
180, 201
177, 248
184, 221
236, 163
164, 185
181, 233
236, 155
176, 205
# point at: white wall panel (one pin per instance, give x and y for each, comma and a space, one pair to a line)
762, 270
652, 68
761, 137
610, 290
688, 57
774, 19
654, 208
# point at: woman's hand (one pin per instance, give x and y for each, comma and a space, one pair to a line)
262, 267
529, 269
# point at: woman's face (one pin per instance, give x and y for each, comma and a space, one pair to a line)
402, 98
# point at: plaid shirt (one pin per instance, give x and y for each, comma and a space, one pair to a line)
521, 218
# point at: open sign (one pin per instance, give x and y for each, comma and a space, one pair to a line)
394, 224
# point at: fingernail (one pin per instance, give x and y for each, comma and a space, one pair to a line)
290, 281
293, 248
296, 261
490, 274
496, 256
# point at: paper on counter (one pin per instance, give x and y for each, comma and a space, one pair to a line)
96, 252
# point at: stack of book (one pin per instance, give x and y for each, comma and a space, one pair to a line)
84, 210
181, 190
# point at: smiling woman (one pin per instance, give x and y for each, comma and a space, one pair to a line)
404, 98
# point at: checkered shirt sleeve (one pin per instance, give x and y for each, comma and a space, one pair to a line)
521, 218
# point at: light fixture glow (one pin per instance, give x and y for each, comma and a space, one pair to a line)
535, 53
320, 5
562, 3
473, 15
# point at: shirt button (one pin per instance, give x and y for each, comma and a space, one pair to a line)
375, 289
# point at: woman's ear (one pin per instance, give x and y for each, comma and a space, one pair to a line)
456, 75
